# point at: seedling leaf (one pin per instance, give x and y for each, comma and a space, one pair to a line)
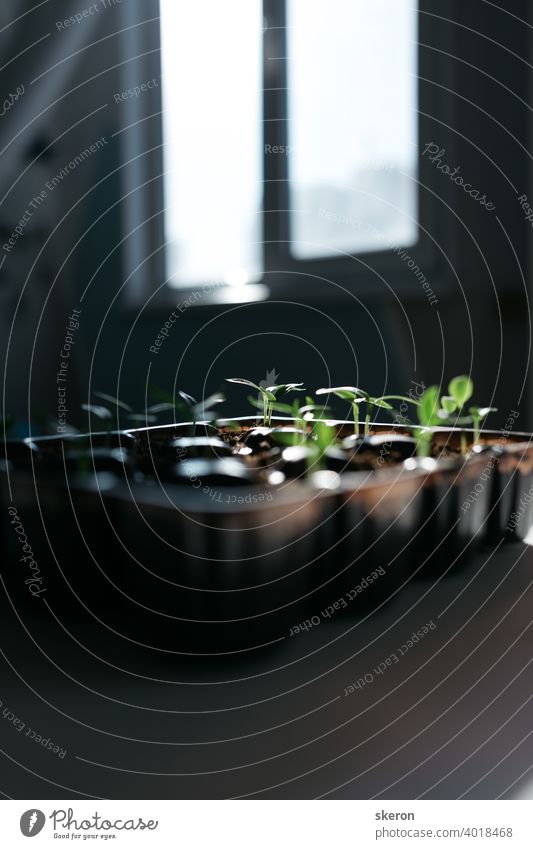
429, 407
347, 393
283, 388
98, 411
449, 404
244, 382
114, 401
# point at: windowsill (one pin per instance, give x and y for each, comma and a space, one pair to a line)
288, 287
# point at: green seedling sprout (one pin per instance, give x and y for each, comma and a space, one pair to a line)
371, 404
428, 415
104, 414
461, 389
348, 393
434, 410
269, 394
357, 396
185, 407
301, 417
324, 437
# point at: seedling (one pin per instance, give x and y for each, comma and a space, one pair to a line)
103, 414
301, 417
405, 399
460, 390
357, 396
269, 394
348, 393
433, 411
428, 415
324, 437
478, 414
185, 407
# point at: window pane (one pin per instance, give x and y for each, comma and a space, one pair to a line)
352, 68
212, 125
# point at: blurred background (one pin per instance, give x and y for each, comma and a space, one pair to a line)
329, 193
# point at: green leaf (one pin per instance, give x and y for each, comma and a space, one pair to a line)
379, 402
187, 399
314, 408
347, 393
202, 410
404, 398
429, 407
164, 407
482, 412
325, 436
461, 388
449, 404
283, 388
277, 407
98, 411
114, 401
287, 437
244, 382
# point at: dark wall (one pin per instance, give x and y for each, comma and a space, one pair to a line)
477, 57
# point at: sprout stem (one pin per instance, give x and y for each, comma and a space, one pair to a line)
355, 410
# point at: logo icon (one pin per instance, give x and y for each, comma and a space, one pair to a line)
32, 822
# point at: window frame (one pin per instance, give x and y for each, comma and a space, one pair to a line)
311, 279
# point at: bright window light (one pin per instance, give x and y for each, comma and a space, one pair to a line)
352, 68
211, 57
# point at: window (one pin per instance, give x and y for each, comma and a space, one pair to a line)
352, 110
288, 141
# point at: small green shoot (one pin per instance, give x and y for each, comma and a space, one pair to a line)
428, 416
269, 394
185, 407
478, 414
348, 393
435, 409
